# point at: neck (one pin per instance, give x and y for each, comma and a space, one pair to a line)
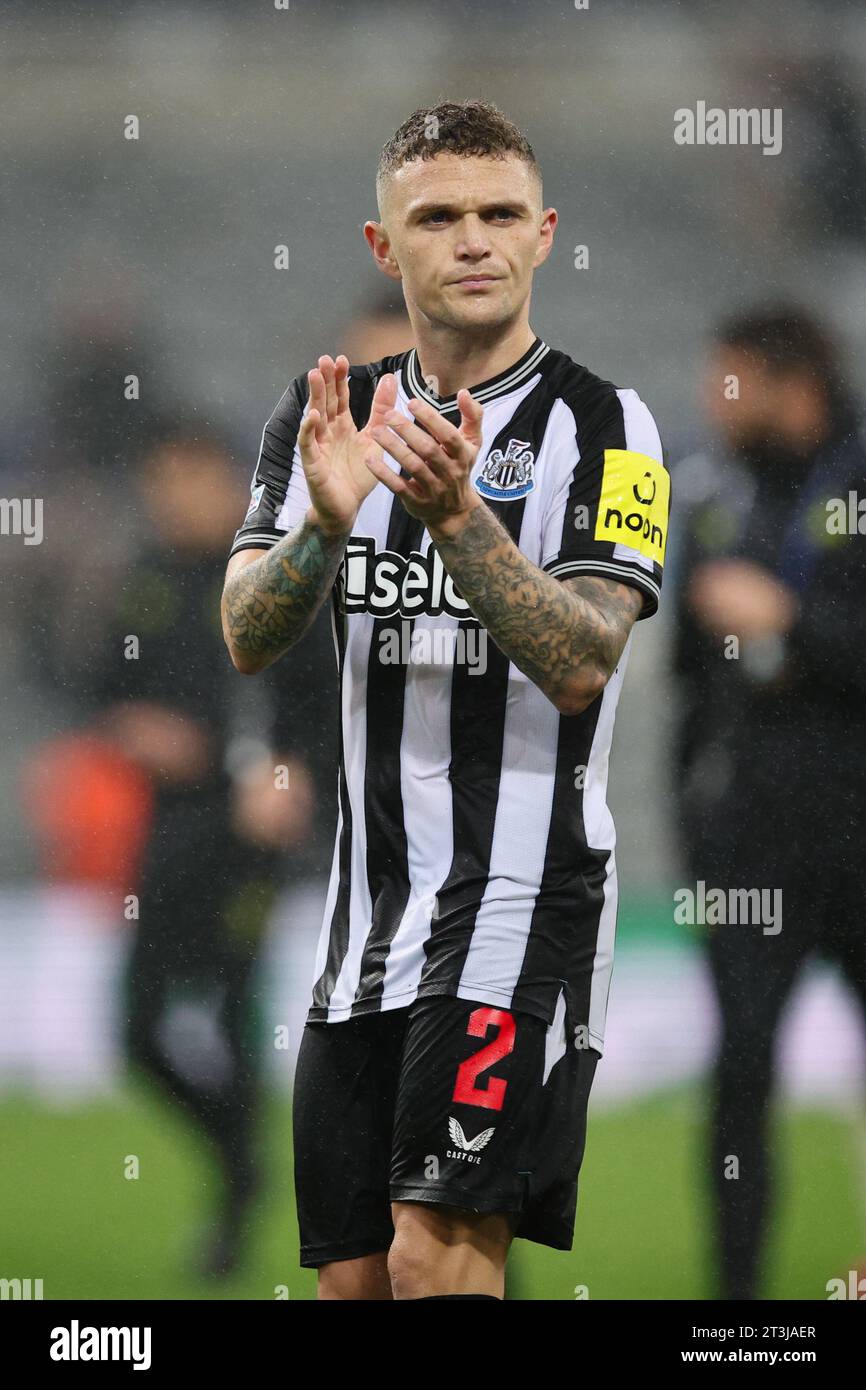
458, 359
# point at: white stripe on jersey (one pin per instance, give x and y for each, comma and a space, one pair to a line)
523, 812
601, 834
641, 435
601, 567
425, 753
334, 880
330, 900
354, 712
640, 427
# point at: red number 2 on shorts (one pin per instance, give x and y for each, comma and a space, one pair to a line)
466, 1089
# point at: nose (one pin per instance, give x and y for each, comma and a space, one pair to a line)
473, 243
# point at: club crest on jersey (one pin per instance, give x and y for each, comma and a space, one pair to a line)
467, 1149
505, 477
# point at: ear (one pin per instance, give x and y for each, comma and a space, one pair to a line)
377, 239
549, 219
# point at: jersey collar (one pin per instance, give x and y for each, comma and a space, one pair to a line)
500, 385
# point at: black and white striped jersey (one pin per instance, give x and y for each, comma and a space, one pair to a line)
475, 850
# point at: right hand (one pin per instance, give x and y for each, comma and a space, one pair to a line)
333, 450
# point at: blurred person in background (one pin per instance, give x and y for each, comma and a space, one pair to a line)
103, 401
380, 328
772, 744
226, 808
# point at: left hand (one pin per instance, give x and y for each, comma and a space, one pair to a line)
738, 597
439, 462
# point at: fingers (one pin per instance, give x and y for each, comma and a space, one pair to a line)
318, 401
422, 462
341, 367
379, 468
328, 369
307, 436
471, 415
384, 399
446, 434
329, 391
418, 440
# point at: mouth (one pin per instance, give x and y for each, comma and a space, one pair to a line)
476, 282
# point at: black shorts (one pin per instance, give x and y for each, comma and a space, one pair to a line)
446, 1101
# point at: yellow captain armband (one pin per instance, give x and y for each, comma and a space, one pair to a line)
634, 502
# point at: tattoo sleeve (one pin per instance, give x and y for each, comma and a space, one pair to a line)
566, 636
269, 604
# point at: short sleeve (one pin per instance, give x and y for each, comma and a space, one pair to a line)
609, 516
279, 497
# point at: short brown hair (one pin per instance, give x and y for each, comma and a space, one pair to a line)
453, 127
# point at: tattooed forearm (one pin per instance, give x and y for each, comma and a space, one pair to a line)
270, 603
567, 637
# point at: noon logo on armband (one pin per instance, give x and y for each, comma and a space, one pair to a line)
634, 502
505, 477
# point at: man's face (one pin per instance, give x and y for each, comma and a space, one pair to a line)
740, 397
192, 493
464, 234
757, 409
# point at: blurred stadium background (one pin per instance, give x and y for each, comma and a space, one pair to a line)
155, 257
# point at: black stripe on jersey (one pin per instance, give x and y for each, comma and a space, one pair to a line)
274, 469
338, 932
561, 946
361, 388
387, 845
477, 732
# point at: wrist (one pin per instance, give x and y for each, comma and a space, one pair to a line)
446, 527
334, 530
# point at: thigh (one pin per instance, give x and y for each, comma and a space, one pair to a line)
343, 1116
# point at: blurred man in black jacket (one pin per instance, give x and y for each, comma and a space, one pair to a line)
771, 657
234, 814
